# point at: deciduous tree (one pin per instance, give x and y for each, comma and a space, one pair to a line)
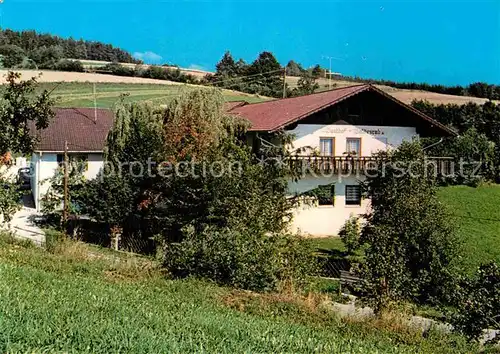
22, 113
21, 110
410, 241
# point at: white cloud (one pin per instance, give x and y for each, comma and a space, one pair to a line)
148, 57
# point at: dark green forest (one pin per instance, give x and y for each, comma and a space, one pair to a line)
30, 50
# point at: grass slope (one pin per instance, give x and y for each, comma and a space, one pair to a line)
85, 300
477, 214
80, 94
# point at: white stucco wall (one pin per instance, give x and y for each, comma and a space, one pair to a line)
94, 165
44, 166
324, 220
373, 138
319, 221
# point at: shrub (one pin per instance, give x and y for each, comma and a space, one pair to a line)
12, 55
242, 259
350, 234
27, 64
47, 57
70, 65
9, 199
477, 300
411, 244
119, 70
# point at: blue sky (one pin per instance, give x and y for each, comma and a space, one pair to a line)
447, 42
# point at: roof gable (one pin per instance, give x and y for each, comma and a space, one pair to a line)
275, 115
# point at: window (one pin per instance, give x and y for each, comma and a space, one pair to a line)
352, 195
326, 195
353, 146
60, 159
75, 161
327, 146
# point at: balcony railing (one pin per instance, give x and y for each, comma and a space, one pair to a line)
441, 166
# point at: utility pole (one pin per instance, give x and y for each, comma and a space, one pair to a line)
66, 178
284, 82
330, 70
330, 75
95, 105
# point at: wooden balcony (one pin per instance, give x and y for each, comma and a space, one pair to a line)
439, 166
332, 164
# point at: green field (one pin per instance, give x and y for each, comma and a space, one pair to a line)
83, 299
476, 212
72, 94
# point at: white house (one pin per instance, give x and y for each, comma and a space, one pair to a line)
83, 130
337, 130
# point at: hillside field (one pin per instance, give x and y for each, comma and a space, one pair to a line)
47, 76
476, 213
76, 89
81, 299
80, 94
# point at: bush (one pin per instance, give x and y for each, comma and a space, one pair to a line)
70, 65
27, 64
245, 259
47, 57
9, 199
350, 234
12, 55
478, 302
409, 240
119, 70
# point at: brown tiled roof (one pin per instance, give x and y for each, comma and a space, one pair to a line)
78, 127
274, 115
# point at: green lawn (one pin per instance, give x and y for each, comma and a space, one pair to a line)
72, 94
86, 300
328, 243
476, 212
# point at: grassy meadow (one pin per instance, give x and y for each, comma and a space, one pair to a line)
476, 212
80, 94
80, 298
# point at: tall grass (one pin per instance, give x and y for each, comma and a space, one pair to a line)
84, 299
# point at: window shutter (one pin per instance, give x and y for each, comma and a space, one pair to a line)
353, 195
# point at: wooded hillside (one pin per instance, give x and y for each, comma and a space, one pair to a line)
22, 48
